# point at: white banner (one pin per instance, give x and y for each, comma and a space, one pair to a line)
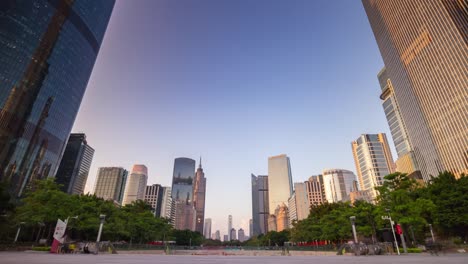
60, 230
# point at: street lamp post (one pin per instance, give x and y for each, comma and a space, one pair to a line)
102, 218
353, 224
393, 230
18, 232
432, 233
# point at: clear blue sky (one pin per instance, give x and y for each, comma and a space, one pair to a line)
234, 82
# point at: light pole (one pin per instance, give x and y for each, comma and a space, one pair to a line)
18, 232
393, 230
353, 224
102, 218
432, 233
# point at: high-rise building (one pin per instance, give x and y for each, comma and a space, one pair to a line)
426, 63
166, 203
225, 238
154, 197
337, 184
182, 193
229, 226
207, 228
47, 54
357, 195
110, 183
260, 205
232, 234
199, 192
373, 161
241, 235
217, 235
299, 205
272, 223
279, 180
406, 162
136, 184
282, 217
74, 167
315, 192
251, 228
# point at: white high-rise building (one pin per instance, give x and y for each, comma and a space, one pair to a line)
280, 186
337, 184
229, 227
207, 228
136, 184
166, 203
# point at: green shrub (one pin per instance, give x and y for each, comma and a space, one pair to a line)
40, 248
412, 250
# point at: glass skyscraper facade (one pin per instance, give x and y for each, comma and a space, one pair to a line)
199, 194
47, 52
260, 204
337, 184
136, 184
424, 45
184, 213
280, 186
110, 183
373, 161
74, 167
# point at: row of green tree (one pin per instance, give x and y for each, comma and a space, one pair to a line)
38, 211
442, 203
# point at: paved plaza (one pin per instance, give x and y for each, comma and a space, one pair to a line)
13, 257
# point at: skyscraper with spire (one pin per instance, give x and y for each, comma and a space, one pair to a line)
199, 190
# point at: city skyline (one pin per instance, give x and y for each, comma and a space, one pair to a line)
186, 123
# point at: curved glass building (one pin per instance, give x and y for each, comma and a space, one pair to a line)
47, 52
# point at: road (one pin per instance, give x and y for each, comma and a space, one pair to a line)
45, 258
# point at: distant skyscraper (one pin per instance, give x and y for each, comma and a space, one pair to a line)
110, 183
182, 192
225, 238
282, 217
136, 184
241, 235
251, 228
74, 167
292, 210
337, 184
406, 161
199, 193
217, 235
279, 180
229, 226
166, 203
47, 54
373, 161
232, 234
315, 192
260, 205
207, 228
424, 45
272, 223
299, 206
154, 196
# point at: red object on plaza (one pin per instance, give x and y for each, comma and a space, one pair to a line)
398, 229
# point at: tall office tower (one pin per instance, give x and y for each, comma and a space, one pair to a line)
282, 217
272, 223
251, 228
406, 161
292, 210
229, 226
207, 228
241, 235
225, 238
427, 63
110, 183
154, 196
260, 205
166, 203
357, 194
300, 201
232, 234
337, 184
315, 192
47, 53
199, 192
182, 192
136, 184
74, 167
373, 161
279, 180
217, 235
